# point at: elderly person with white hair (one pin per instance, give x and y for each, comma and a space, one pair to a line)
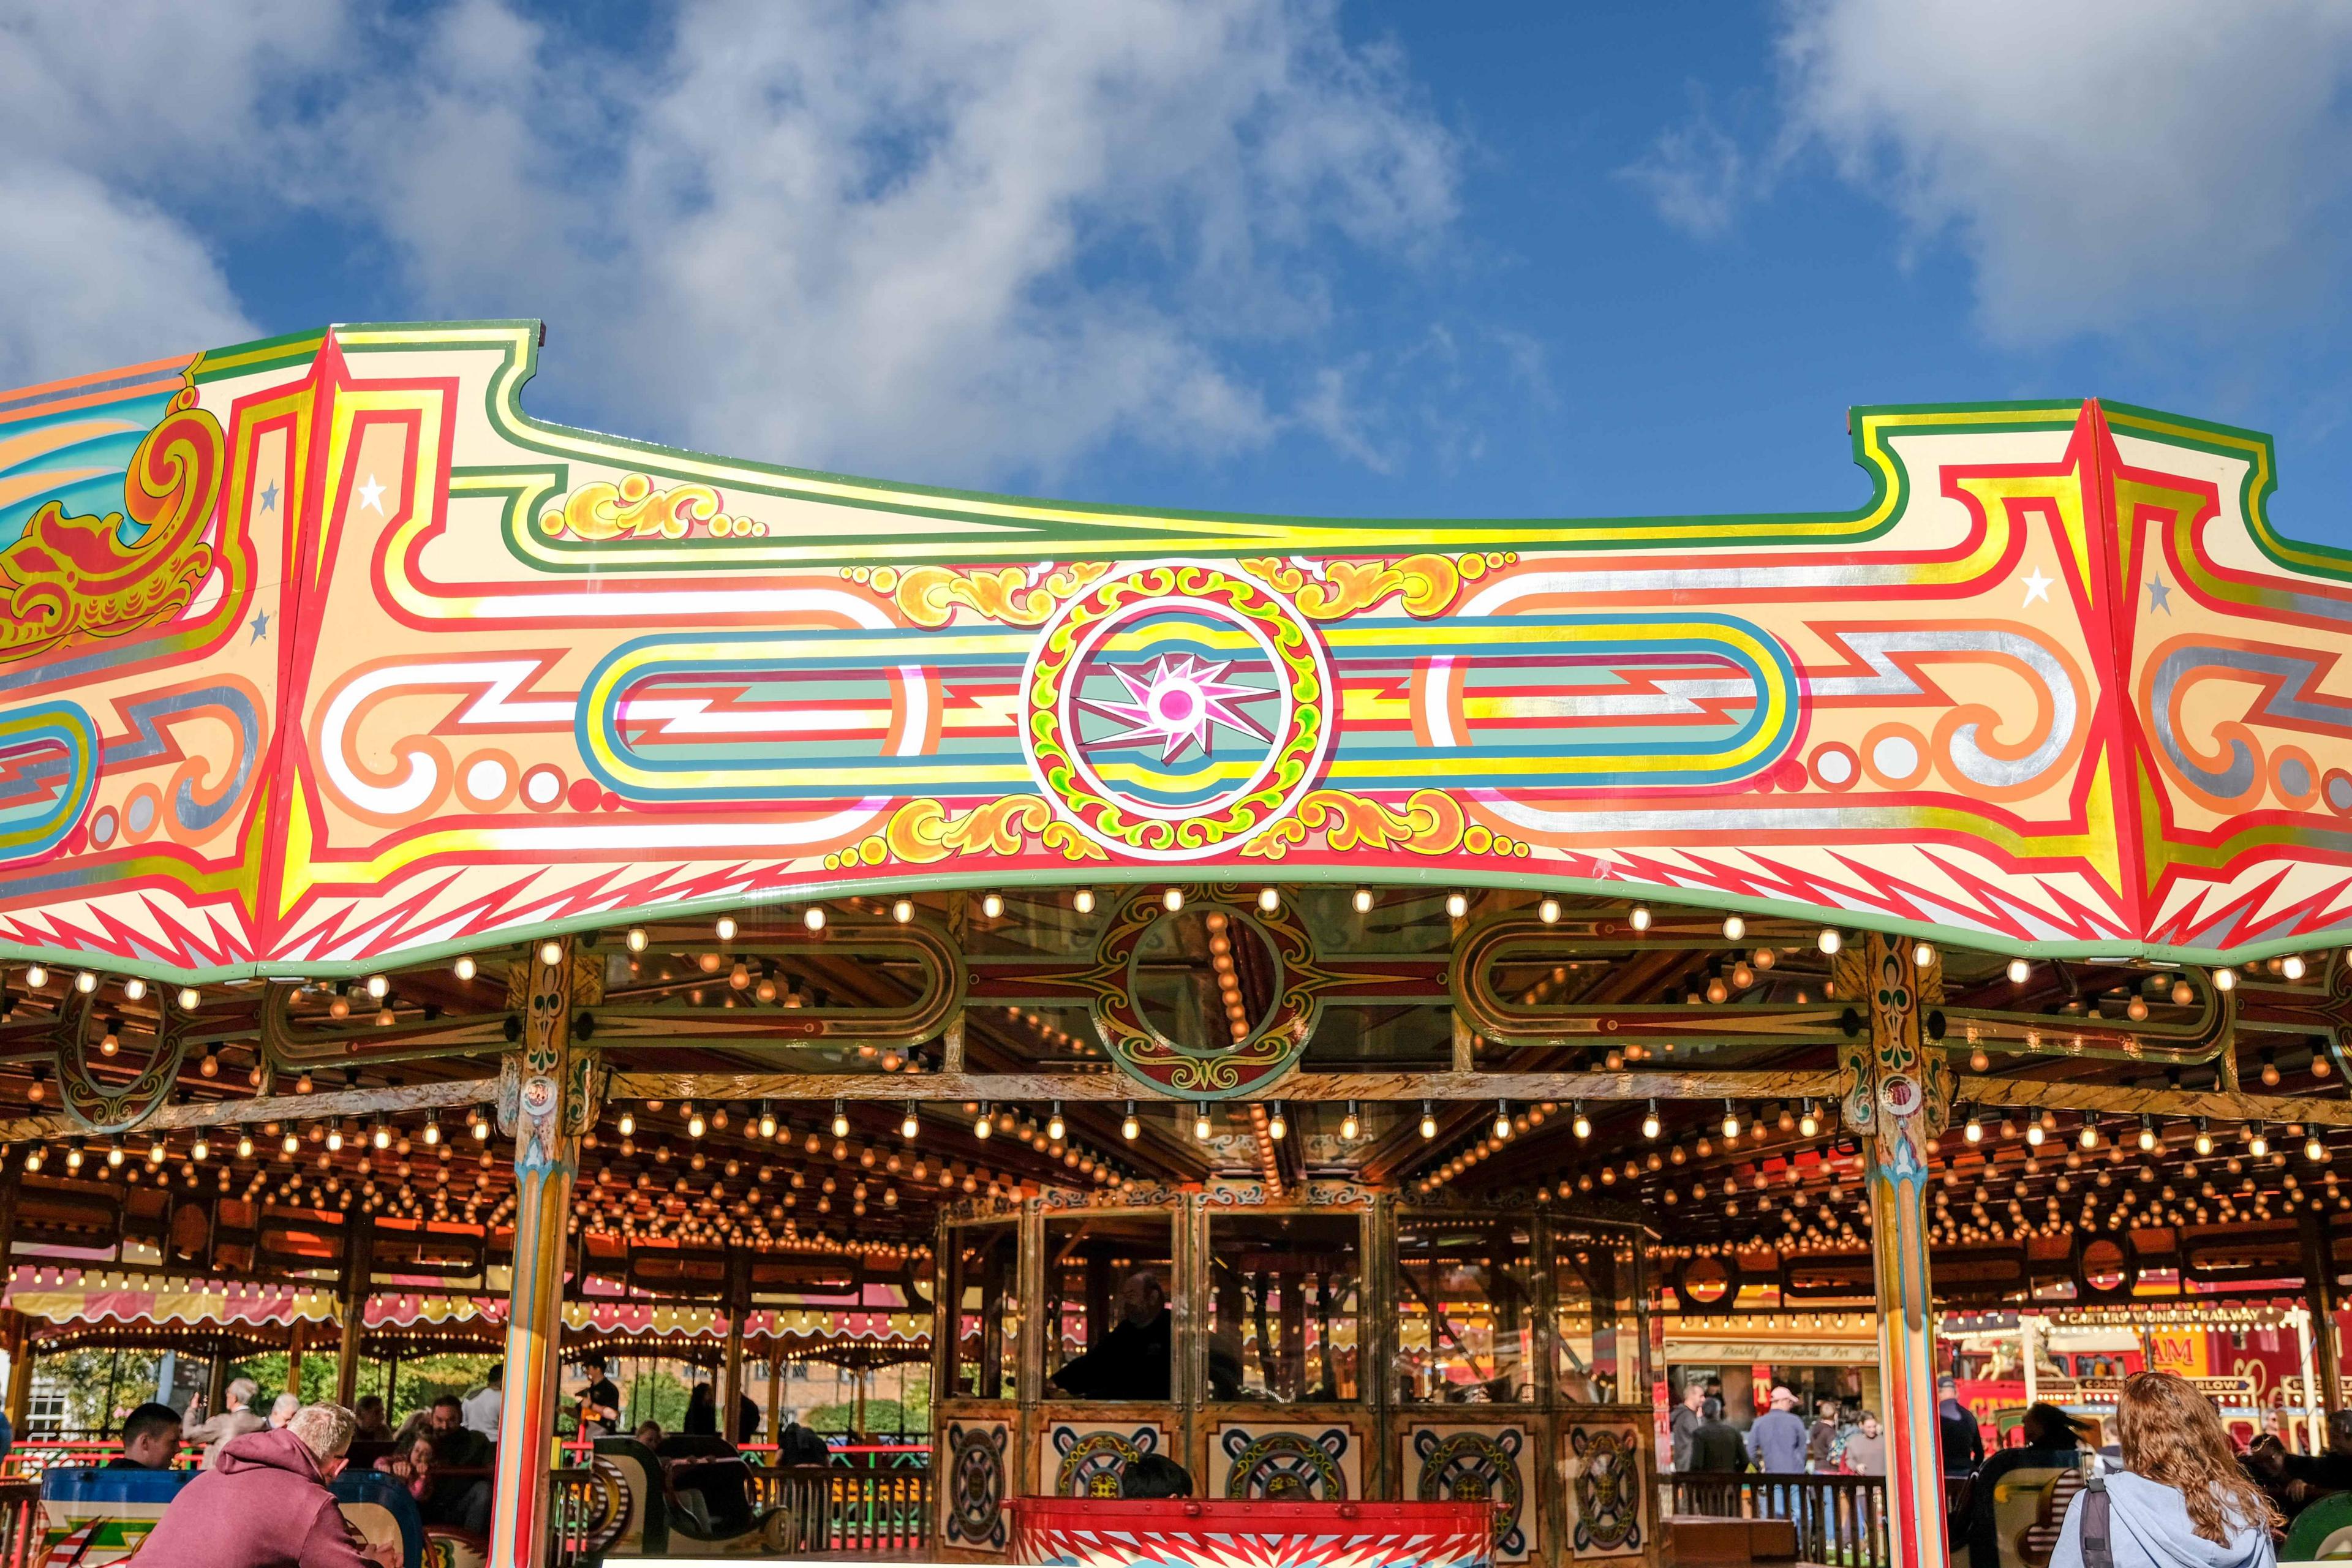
282, 1409
266, 1504
239, 1418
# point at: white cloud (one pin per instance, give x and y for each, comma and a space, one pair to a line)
2103, 164
1696, 175
106, 112
931, 238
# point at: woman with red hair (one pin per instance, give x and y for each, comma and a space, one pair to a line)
2181, 1501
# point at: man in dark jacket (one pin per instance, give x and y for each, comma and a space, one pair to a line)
1131, 1363
265, 1500
1684, 1421
1963, 1442
1717, 1454
151, 1438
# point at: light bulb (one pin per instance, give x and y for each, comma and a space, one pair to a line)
2089, 1137
1083, 900
2033, 1133
1201, 1124
291, 1144
1974, 1131
481, 1128
1269, 898
903, 911
134, 988
1641, 917
1923, 954
1130, 1127
432, 1128
1734, 928
1731, 1123
637, 939
1276, 1128
86, 982
1651, 1126
1583, 1124
726, 928
1829, 941
114, 1155
2292, 966
2313, 1150
334, 1137
1055, 1129
1502, 1128
840, 1120
2225, 980
1458, 905
1548, 911
2203, 1143
1172, 900
1348, 1126
244, 1146
2019, 972
2146, 1137
550, 952
380, 1137
628, 1127
1362, 901
2256, 1143
991, 905
1807, 1123
464, 967
36, 975
812, 918
379, 987
909, 1125
1428, 1121
983, 1124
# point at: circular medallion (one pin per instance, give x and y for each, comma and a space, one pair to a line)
538, 1096
1900, 1095
1177, 709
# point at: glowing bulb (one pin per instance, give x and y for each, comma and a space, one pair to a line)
812, 918
1362, 901
1201, 1124
840, 1120
550, 952
1923, 954
726, 928
73, 1158
909, 1125
1083, 900
1350, 1128
2313, 1150
380, 1137
903, 911
1275, 1127
628, 1127
1502, 1128
637, 939
86, 982
1731, 1123
1428, 1121
1172, 900
465, 968
1055, 1128
1130, 1127
1734, 928
112, 1042
2257, 1144
2225, 980
2089, 1137
334, 1137
1651, 1126
2204, 1140
1583, 1124
244, 1146
432, 1128
1548, 911
36, 975
1809, 1124
991, 905
481, 1127
133, 988
1829, 941
1641, 917
1974, 1131
1269, 898
983, 1124
2018, 971
1458, 905
291, 1144
2292, 966
2033, 1133
114, 1155
379, 987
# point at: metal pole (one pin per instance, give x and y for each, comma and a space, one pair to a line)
2027, 1337
2301, 1318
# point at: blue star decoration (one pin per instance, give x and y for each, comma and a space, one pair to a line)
269, 497
2159, 595
260, 624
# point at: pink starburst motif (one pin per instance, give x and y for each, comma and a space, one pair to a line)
1176, 699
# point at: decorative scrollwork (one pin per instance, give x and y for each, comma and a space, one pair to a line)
105, 1108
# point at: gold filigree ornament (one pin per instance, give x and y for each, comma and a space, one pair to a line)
1013, 595
1425, 584
1430, 823
921, 832
636, 509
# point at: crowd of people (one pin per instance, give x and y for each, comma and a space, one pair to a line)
1842, 1438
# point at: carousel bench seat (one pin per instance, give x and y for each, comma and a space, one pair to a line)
1705, 1538
114, 1509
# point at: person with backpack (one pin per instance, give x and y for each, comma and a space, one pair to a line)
2181, 1500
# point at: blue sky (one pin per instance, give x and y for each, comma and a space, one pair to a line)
1370, 257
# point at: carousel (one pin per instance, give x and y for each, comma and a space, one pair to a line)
1340, 1006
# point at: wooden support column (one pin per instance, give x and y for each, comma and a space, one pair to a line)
20, 1328
775, 1394
2319, 1289
293, 1357
358, 1273
547, 1097
1897, 1096
730, 1375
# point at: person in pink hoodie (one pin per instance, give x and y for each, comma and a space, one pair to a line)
265, 1504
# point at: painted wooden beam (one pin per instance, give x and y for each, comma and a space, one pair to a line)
2117, 1100
1370, 1086
390, 1101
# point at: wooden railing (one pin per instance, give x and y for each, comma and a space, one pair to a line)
20, 1524
856, 1507
1839, 1519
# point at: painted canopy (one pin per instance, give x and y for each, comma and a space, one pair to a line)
320, 652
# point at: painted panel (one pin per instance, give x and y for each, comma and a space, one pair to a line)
322, 653
974, 1483
1608, 1505
1087, 1457
1272, 1461
1446, 1462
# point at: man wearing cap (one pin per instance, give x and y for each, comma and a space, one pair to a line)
1777, 1442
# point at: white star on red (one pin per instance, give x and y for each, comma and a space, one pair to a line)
1176, 698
